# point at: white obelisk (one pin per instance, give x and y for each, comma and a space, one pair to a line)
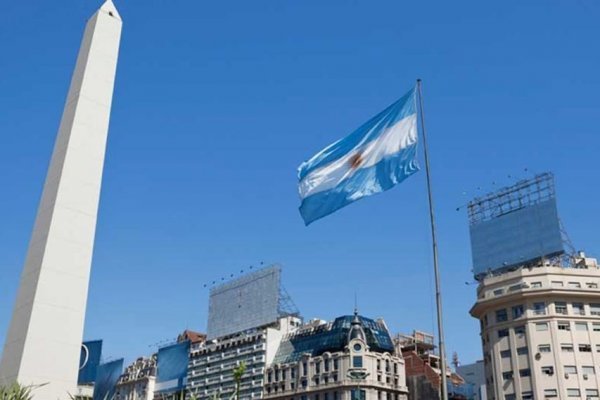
44, 338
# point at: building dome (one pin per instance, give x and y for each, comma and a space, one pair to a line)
356, 329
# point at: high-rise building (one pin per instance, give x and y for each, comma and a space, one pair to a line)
474, 374
212, 363
46, 330
540, 330
351, 358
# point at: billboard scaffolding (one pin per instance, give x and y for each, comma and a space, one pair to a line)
516, 225
251, 301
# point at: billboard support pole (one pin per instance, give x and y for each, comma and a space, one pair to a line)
438, 290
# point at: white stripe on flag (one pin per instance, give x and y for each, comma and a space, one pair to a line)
399, 136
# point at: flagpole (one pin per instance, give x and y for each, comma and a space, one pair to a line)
438, 290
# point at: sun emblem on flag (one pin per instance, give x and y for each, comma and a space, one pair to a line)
356, 160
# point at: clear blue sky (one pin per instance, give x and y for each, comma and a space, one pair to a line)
217, 104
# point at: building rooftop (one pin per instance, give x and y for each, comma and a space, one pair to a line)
316, 339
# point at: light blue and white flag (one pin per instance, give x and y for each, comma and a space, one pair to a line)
372, 159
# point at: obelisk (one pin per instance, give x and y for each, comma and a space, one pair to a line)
44, 337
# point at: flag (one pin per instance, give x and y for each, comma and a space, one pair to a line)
372, 159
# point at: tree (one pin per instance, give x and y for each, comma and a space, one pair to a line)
238, 373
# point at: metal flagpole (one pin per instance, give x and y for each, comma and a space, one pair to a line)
438, 290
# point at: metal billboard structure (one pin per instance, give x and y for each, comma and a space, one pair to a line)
253, 300
514, 226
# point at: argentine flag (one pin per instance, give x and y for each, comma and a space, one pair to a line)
372, 159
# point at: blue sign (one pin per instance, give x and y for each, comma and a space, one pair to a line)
172, 367
106, 379
89, 360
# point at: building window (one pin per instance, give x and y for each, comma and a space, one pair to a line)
507, 375
276, 375
517, 311
378, 378
357, 362
587, 370
334, 377
544, 348
581, 326
387, 365
550, 393
317, 367
560, 307
317, 380
564, 326
548, 370
535, 285
505, 354
539, 308
501, 315
326, 365
325, 396
573, 393
541, 326
335, 395
304, 368
335, 364
293, 373
395, 368
502, 333
527, 395
595, 309
598, 348
498, 292
270, 377
510, 396
591, 285
514, 288
585, 348
566, 347
522, 350
520, 330
575, 285
557, 284
591, 393
596, 327
525, 372
379, 395
578, 309
292, 386
358, 394
570, 369
316, 397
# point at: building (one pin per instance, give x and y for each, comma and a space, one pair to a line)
212, 362
137, 382
423, 374
350, 358
540, 330
474, 374
55, 277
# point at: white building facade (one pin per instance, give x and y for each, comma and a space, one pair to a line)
138, 380
540, 330
212, 362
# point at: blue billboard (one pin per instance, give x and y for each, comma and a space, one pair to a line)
244, 303
172, 367
106, 379
89, 360
516, 226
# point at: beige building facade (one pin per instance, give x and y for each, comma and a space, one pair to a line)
540, 332
322, 362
